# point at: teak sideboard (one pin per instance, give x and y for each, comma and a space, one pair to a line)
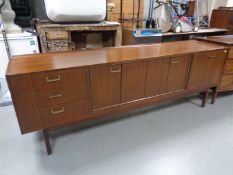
56, 89
226, 83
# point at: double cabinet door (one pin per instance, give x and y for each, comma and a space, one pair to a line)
116, 84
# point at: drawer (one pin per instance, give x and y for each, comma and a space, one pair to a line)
64, 113
227, 82
57, 35
228, 69
61, 78
230, 53
62, 95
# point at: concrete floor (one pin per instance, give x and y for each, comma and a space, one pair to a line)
178, 138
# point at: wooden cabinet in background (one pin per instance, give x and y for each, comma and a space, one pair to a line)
226, 82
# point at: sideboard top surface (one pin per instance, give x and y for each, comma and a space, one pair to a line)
54, 61
223, 39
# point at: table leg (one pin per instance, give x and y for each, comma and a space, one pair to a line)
214, 95
205, 98
47, 142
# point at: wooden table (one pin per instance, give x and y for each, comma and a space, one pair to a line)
54, 90
129, 39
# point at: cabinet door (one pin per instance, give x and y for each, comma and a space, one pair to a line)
133, 81
106, 86
206, 69
178, 72
157, 73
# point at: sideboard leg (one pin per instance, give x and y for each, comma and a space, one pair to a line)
214, 95
47, 142
205, 98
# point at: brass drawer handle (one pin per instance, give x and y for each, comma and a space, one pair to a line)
175, 61
51, 95
58, 111
53, 80
115, 69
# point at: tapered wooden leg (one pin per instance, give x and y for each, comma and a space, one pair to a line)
204, 98
214, 95
47, 142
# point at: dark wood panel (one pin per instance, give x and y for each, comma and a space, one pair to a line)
178, 72
106, 86
133, 81
157, 73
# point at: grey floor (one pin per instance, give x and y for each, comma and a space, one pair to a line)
178, 138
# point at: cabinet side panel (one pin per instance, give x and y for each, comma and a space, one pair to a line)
27, 115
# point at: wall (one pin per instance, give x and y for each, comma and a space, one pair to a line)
127, 10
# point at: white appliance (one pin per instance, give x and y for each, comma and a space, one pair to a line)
23, 43
76, 10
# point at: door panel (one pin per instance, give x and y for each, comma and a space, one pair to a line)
106, 86
178, 72
157, 73
206, 68
218, 60
133, 81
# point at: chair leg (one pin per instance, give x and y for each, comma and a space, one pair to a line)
47, 142
214, 95
204, 98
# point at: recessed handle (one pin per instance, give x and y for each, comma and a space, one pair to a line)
58, 111
51, 95
48, 80
212, 56
175, 61
115, 69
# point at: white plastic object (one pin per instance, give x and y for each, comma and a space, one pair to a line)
76, 10
24, 43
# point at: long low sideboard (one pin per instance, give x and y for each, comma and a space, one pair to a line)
54, 90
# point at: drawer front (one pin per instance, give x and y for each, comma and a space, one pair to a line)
228, 69
230, 53
57, 35
56, 79
62, 95
227, 82
64, 113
